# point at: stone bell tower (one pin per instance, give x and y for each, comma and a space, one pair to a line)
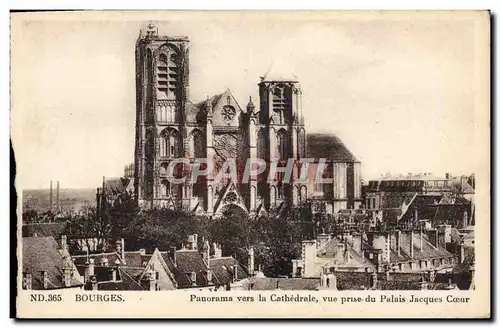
281, 135
162, 93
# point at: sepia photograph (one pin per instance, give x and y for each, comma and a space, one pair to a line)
322, 161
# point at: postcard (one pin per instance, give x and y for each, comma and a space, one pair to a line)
252, 164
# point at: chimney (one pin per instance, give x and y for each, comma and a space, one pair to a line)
209, 276
173, 255
235, 273
411, 244
388, 274
67, 275
447, 176
45, 279
28, 279
373, 281
195, 241
57, 197
388, 246
192, 242
93, 282
398, 242
333, 281
193, 278
50, 197
251, 260
113, 274
465, 220
434, 237
206, 251
120, 249
423, 283
217, 251
142, 251
64, 242
462, 252
356, 243
89, 270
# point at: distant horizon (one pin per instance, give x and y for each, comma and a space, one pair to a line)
363, 180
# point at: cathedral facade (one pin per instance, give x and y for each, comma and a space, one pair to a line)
169, 127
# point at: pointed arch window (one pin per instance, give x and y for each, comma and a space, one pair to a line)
170, 144
282, 145
165, 188
281, 190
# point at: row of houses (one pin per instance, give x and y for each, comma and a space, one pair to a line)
47, 264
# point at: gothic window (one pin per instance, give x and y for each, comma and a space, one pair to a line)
171, 144
228, 112
262, 138
165, 188
281, 190
273, 195
149, 83
231, 197
169, 114
301, 138
168, 71
163, 169
163, 146
282, 145
160, 113
280, 104
198, 145
303, 193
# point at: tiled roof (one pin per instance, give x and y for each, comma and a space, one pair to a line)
136, 259
187, 261
214, 100
194, 113
115, 186
284, 283
112, 258
222, 268
42, 254
335, 249
125, 281
100, 272
426, 252
463, 186
53, 229
328, 146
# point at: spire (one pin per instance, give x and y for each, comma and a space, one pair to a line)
279, 72
151, 30
208, 106
250, 105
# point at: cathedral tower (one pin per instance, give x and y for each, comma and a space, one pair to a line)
281, 136
162, 87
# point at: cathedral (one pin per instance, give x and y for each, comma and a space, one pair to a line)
170, 126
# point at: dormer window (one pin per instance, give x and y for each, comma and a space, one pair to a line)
209, 275
193, 278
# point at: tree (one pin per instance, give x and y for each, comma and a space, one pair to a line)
93, 228
30, 216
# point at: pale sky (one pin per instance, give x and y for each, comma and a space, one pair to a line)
398, 92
